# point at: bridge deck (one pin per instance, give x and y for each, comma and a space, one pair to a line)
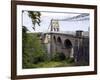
69, 33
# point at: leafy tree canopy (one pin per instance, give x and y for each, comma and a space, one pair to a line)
35, 17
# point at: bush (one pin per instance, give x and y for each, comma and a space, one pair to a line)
59, 57
33, 51
70, 60
38, 59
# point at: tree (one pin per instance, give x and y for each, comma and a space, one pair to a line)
35, 17
25, 57
33, 51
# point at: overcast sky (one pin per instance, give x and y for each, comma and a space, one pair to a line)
63, 25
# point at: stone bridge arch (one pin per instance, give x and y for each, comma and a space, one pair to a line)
72, 45
54, 39
63, 44
68, 48
59, 41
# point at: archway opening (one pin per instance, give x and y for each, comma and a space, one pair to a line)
67, 44
54, 38
59, 41
69, 48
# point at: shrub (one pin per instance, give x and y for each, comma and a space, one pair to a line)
59, 57
33, 51
70, 60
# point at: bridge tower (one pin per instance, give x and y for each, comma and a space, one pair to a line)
54, 25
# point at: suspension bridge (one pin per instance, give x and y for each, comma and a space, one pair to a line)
73, 44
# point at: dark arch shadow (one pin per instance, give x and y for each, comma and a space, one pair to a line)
69, 47
67, 43
54, 38
59, 41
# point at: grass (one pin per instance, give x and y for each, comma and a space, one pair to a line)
51, 64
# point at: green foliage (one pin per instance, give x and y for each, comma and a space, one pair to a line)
35, 17
33, 51
59, 57
70, 60
49, 64
24, 29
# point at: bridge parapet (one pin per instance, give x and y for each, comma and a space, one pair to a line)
78, 32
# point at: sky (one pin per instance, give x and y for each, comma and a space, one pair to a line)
63, 25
